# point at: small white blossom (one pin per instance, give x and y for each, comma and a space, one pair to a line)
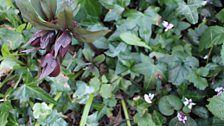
167, 25
148, 97
136, 98
189, 103
182, 117
219, 90
205, 57
204, 2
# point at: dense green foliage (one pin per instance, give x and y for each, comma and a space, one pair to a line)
126, 62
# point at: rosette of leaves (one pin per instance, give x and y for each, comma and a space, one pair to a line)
54, 19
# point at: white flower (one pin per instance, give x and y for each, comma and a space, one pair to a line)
204, 2
182, 117
148, 97
205, 57
167, 25
219, 90
189, 103
136, 98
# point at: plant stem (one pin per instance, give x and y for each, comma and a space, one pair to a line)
86, 110
209, 53
58, 95
125, 112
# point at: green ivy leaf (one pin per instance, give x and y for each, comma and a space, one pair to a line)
169, 103
32, 90
54, 119
114, 14
59, 83
83, 91
220, 15
41, 110
151, 71
198, 81
11, 38
215, 106
106, 91
134, 40
189, 10
179, 69
214, 35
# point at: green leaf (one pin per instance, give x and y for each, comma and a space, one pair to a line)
99, 59
11, 38
200, 111
114, 14
158, 118
169, 103
41, 110
88, 36
91, 7
5, 50
217, 122
30, 15
59, 83
220, 15
65, 16
176, 122
12, 121
151, 71
106, 91
49, 8
7, 63
198, 81
36, 4
83, 91
134, 40
214, 35
189, 10
92, 120
54, 119
145, 120
179, 69
32, 90
215, 106
4, 112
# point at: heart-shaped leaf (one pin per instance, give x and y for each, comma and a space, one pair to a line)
169, 103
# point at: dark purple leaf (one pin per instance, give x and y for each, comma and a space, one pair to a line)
37, 35
30, 50
63, 51
62, 42
36, 42
56, 71
46, 39
49, 66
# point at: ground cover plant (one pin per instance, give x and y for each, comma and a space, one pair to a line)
111, 63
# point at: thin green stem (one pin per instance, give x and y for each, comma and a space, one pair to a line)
125, 112
58, 95
86, 110
209, 53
